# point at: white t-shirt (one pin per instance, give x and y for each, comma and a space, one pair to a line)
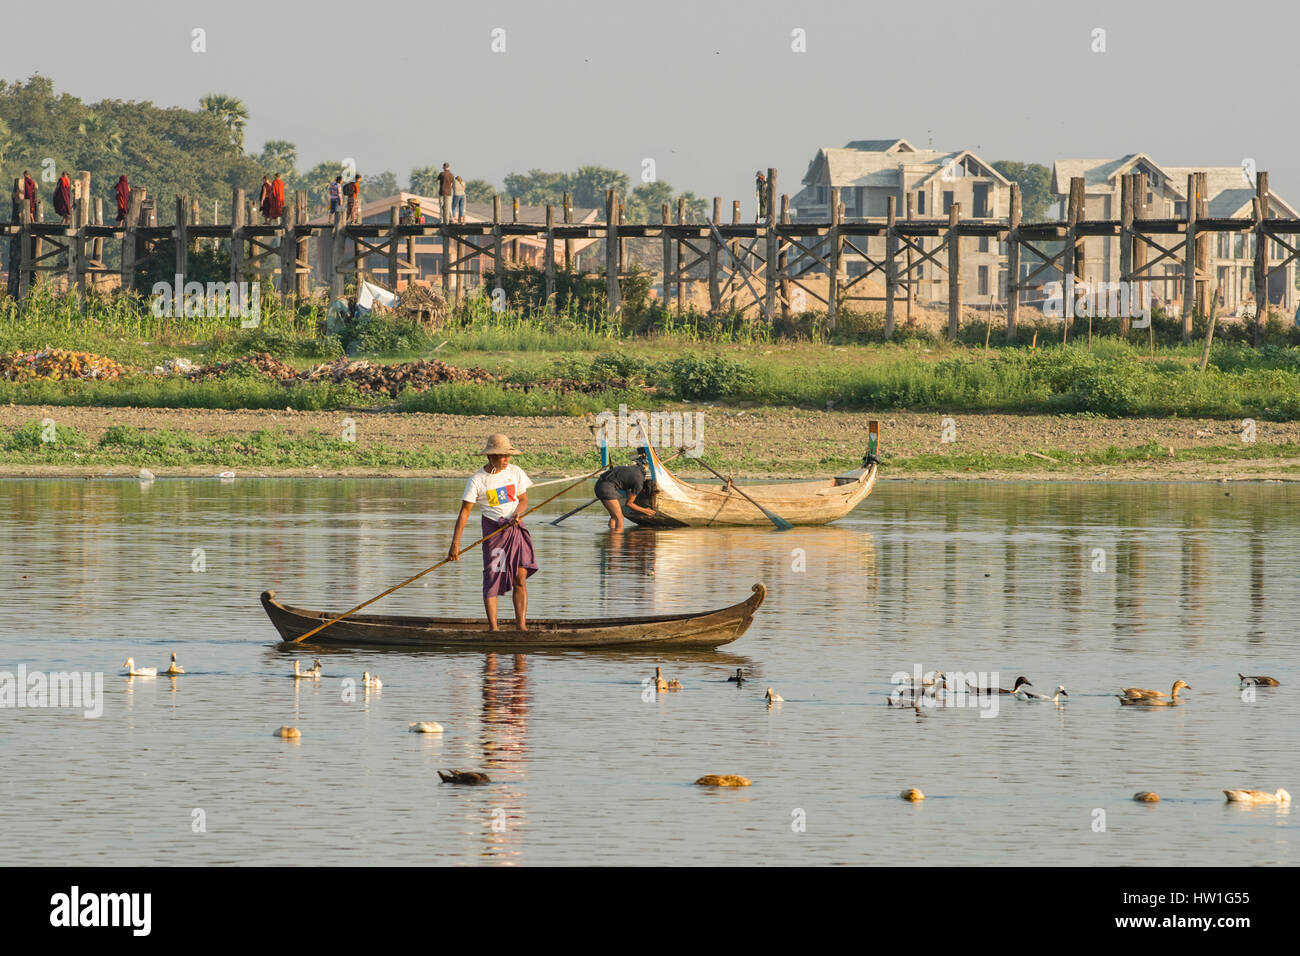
499, 492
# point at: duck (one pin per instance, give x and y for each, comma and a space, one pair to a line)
738, 678
1055, 698
939, 679
288, 733
1020, 682
723, 780
174, 668
373, 683
424, 727
1146, 796
1149, 701
471, 778
662, 685
772, 697
674, 684
133, 671
312, 674
1258, 796
1258, 681
913, 795
1142, 692
146, 474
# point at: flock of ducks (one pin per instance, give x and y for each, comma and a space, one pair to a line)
172, 670
663, 686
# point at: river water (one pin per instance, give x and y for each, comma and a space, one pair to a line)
1093, 586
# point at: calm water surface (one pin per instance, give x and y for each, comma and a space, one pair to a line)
1197, 584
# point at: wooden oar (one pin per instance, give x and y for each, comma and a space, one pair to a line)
416, 577
781, 523
569, 514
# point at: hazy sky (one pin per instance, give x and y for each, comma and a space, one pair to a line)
709, 89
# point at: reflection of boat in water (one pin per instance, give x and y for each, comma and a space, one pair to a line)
700, 629
677, 502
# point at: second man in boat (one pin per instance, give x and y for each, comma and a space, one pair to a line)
508, 557
617, 489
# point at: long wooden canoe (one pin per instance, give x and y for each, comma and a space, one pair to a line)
677, 502
702, 629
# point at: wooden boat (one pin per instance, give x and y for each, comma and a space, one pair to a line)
702, 629
677, 502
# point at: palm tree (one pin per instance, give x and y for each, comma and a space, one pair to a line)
101, 132
231, 111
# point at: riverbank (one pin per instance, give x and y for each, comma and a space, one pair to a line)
754, 443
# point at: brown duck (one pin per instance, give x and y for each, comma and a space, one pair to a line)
468, 777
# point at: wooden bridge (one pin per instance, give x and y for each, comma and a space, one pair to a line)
766, 266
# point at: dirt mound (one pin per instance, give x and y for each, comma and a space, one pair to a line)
419, 375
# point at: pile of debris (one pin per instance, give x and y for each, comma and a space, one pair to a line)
586, 388
419, 375
262, 362
421, 302
58, 364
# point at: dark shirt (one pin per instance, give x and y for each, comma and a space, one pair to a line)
446, 182
627, 478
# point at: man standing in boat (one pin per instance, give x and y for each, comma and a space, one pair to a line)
508, 557
622, 482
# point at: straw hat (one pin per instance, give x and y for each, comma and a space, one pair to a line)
500, 445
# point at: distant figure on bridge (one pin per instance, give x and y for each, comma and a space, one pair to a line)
264, 198
277, 197
416, 213
760, 187
16, 201
352, 191
458, 199
122, 193
446, 188
63, 198
336, 195
29, 193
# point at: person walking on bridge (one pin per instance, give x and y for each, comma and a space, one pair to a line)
446, 189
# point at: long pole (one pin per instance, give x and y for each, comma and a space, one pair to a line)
416, 577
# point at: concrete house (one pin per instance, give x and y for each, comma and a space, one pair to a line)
868, 172
1232, 255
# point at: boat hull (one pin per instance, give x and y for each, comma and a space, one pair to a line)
703, 630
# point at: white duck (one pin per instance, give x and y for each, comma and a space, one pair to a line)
1258, 796
772, 697
174, 668
374, 683
425, 727
312, 674
133, 671
1055, 698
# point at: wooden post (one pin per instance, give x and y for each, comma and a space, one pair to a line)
782, 265
666, 218
911, 273
715, 289
1072, 264
1140, 288
38, 245
734, 248
954, 271
550, 256
338, 250
1204, 290
770, 274
611, 253
394, 219
891, 262
301, 265
1014, 215
834, 249
514, 217
622, 243
97, 244
237, 208
1126, 249
681, 258
1189, 257
181, 234
77, 249
568, 242
1260, 210
26, 250
128, 238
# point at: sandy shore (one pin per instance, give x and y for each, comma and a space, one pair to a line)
771, 442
